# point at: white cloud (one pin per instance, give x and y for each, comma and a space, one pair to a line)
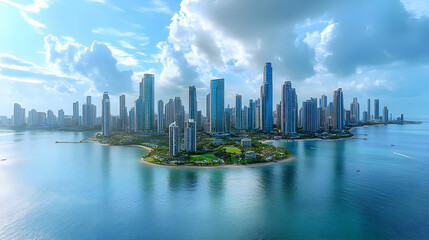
35, 7
419, 8
126, 44
32, 21
157, 6
113, 32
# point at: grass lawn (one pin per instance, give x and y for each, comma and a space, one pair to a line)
149, 159
232, 150
207, 156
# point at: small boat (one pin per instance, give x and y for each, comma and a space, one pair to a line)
4, 159
358, 170
392, 145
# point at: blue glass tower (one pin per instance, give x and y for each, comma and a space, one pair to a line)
217, 105
238, 103
192, 103
267, 99
289, 109
148, 90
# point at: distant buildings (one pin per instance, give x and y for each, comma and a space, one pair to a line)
139, 114
88, 113
338, 110
267, 99
106, 126
190, 136
246, 142
217, 105
289, 109
173, 139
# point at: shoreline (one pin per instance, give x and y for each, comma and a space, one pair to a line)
260, 164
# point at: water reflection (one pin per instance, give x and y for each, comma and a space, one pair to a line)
288, 175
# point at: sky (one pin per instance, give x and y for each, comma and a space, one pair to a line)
55, 52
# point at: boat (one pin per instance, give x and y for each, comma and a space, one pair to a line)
358, 170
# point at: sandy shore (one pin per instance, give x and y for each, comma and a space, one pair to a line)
140, 146
289, 159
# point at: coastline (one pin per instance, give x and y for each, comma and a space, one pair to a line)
288, 159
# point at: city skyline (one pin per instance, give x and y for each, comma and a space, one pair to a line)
116, 40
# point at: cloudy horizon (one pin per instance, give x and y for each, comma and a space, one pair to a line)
54, 53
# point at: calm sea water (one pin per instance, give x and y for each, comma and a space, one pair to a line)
89, 191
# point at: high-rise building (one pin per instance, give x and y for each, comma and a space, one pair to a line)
190, 136
132, 119
324, 101
169, 112
173, 139
368, 108
355, 111
244, 117
179, 113
338, 110
61, 118
278, 114
385, 114
106, 120
238, 107
139, 114
192, 103
208, 107
289, 108
217, 107
267, 99
88, 113
18, 115
309, 115
148, 90
123, 113
258, 124
199, 121
376, 109
160, 116
251, 118
76, 117
365, 116
347, 117
228, 119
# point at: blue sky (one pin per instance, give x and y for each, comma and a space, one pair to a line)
55, 52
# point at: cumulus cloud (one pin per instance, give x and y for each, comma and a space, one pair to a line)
96, 63
34, 7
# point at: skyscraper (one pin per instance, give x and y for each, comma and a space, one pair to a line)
355, 111
160, 115
365, 116
208, 107
324, 101
338, 110
376, 109
385, 114
368, 108
139, 114
75, 118
238, 107
192, 103
309, 115
190, 136
217, 107
132, 119
169, 112
18, 115
251, 118
199, 121
88, 113
105, 115
148, 89
258, 124
61, 118
289, 109
173, 139
179, 113
123, 113
267, 99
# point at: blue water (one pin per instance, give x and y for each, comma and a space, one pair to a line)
89, 191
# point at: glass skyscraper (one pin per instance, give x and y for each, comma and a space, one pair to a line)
238, 104
267, 99
192, 103
105, 115
217, 105
338, 110
148, 90
289, 109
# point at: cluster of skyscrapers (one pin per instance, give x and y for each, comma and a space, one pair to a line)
315, 115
